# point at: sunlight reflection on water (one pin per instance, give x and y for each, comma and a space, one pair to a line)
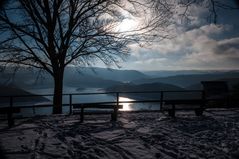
126, 106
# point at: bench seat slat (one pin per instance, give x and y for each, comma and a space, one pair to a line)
100, 106
184, 106
4, 110
93, 112
190, 101
80, 107
182, 109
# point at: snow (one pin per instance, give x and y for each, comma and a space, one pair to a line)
134, 136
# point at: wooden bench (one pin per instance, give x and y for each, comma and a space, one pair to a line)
217, 93
198, 110
9, 111
84, 106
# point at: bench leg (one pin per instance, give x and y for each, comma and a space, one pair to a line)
10, 119
171, 112
114, 114
82, 115
199, 112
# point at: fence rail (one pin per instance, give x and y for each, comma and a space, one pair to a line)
160, 99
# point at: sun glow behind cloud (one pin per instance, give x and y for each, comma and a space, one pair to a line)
194, 45
127, 25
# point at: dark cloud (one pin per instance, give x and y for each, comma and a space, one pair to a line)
228, 47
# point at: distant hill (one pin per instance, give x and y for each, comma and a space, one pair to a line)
86, 77
189, 80
232, 82
77, 80
110, 74
75, 77
144, 88
14, 91
167, 73
26, 79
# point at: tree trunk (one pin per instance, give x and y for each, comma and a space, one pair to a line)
58, 89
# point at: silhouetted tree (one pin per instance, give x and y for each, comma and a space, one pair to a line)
2, 3
51, 34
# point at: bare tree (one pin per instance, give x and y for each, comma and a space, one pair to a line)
51, 34
2, 3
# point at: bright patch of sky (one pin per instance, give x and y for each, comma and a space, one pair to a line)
196, 45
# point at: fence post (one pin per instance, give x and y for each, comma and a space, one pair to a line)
33, 110
115, 113
161, 100
117, 98
10, 113
203, 100
70, 103
82, 114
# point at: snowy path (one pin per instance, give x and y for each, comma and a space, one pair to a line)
134, 136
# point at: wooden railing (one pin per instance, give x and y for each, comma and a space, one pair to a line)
70, 103
160, 99
10, 108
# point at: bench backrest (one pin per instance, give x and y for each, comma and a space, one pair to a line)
215, 89
4, 110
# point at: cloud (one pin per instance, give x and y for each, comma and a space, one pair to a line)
185, 41
194, 17
214, 54
228, 47
198, 48
197, 44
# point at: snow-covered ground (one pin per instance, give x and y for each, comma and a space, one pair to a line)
135, 136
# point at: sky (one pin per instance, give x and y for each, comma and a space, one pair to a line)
198, 45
